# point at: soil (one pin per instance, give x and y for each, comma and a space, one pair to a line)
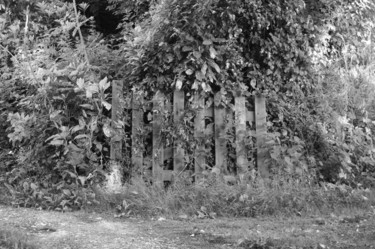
83, 230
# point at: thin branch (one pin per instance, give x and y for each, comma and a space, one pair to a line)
27, 14
78, 27
7, 51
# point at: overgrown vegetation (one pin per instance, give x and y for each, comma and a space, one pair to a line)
14, 240
311, 59
213, 198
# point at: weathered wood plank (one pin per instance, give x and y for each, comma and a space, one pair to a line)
199, 129
261, 130
221, 152
137, 126
116, 141
178, 151
157, 146
114, 179
240, 125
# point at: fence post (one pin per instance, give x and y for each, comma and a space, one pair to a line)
199, 127
178, 151
157, 146
114, 179
261, 130
240, 124
221, 152
137, 126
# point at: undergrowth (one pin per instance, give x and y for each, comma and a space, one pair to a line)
14, 240
214, 197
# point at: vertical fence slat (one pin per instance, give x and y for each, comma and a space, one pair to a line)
199, 129
221, 152
157, 147
137, 126
178, 151
240, 124
261, 130
114, 179
116, 147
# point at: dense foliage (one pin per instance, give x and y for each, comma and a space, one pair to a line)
284, 50
56, 125
311, 59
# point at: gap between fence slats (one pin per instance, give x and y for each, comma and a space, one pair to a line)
178, 151
240, 125
199, 127
137, 127
221, 151
157, 148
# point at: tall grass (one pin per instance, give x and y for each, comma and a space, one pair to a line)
258, 198
14, 240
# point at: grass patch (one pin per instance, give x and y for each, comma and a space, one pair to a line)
14, 240
258, 198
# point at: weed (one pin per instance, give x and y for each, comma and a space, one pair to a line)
14, 240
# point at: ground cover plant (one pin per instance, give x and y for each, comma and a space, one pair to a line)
312, 60
13, 240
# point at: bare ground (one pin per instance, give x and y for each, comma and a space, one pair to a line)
82, 230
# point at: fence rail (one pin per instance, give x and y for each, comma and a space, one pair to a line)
239, 118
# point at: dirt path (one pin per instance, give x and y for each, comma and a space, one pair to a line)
80, 230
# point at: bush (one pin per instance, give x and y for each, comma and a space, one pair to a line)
57, 116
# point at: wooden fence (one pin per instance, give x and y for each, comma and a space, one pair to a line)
243, 120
